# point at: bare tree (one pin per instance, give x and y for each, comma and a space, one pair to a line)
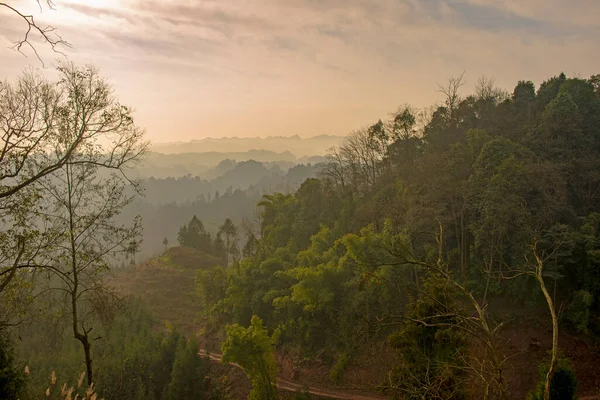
451, 90
48, 34
357, 163
543, 252
486, 89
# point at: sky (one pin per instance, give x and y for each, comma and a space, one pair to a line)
246, 68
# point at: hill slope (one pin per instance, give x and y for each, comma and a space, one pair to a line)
166, 285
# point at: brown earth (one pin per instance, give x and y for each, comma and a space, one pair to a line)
313, 389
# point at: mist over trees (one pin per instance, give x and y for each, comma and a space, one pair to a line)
416, 246
169, 203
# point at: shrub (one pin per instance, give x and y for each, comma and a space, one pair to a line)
12, 378
578, 312
341, 365
562, 386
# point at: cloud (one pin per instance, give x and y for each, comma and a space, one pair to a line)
502, 19
101, 12
192, 61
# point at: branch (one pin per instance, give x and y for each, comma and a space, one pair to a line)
13, 270
48, 33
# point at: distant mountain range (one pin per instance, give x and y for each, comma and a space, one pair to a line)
299, 147
209, 165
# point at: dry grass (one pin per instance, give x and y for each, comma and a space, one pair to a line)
166, 284
66, 392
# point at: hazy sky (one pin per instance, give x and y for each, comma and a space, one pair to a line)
202, 68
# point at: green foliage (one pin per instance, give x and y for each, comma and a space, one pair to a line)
188, 374
466, 191
431, 346
133, 361
211, 286
251, 349
195, 236
578, 311
12, 376
562, 386
302, 395
342, 363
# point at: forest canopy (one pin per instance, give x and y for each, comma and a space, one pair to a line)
411, 246
421, 226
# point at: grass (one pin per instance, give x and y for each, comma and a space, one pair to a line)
166, 285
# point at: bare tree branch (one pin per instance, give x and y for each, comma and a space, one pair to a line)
47, 33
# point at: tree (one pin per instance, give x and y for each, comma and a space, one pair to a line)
376, 250
431, 344
165, 243
46, 126
219, 250
544, 250
85, 208
133, 247
188, 375
251, 349
12, 378
84, 200
195, 236
211, 286
229, 230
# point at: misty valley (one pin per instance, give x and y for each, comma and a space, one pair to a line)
447, 249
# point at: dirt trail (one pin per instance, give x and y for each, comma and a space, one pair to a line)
291, 386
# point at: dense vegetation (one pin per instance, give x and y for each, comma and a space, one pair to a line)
419, 235
419, 225
132, 360
68, 148
414, 240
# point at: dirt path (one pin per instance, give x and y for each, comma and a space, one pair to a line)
291, 386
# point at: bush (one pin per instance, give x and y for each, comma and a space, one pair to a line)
578, 312
562, 386
12, 378
341, 365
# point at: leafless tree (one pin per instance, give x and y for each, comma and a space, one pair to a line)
474, 321
486, 89
451, 91
357, 163
84, 205
536, 264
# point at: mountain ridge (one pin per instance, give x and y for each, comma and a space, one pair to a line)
300, 147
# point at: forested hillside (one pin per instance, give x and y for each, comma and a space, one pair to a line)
445, 253
233, 193
210, 165
428, 231
263, 230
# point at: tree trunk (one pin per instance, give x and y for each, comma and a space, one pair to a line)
88, 357
463, 246
82, 337
554, 358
